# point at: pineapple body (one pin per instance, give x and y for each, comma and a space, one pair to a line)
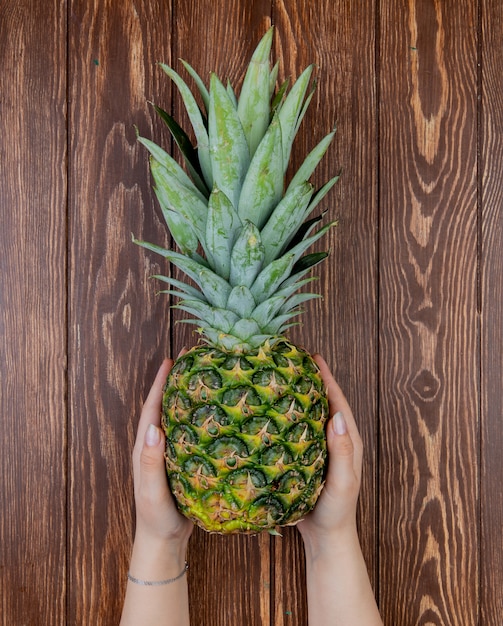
243, 414
245, 436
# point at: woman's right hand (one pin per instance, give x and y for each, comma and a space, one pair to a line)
156, 512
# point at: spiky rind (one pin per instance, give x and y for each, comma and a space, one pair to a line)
245, 436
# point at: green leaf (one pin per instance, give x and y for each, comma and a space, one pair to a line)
196, 119
227, 341
285, 220
253, 106
182, 232
215, 337
245, 328
231, 94
305, 106
263, 186
312, 160
291, 286
241, 301
221, 228
215, 289
278, 98
322, 192
301, 247
304, 264
175, 196
187, 149
273, 77
229, 152
172, 292
205, 96
290, 111
247, 256
296, 300
188, 290
188, 266
266, 310
168, 162
307, 226
278, 324
295, 281
218, 318
304, 231
271, 277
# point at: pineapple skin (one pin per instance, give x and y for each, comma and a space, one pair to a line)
245, 438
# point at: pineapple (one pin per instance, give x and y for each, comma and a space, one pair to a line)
243, 410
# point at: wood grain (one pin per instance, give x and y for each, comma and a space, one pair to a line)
119, 328
230, 579
83, 331
491, 553
32, 313
428, 313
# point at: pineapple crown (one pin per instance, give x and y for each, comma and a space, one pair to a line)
241, 232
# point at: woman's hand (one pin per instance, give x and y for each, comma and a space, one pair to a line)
335, 511
157, 591
338, 585
156, 514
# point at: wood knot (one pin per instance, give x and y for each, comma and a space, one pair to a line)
426, 386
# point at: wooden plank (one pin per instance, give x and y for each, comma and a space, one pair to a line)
491, 556
119, 329
33, 312
429, 352
230, 581
342, 45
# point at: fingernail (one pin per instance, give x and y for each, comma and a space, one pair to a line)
152, 436
339, 423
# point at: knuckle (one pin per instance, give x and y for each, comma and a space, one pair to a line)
148, 460
345, 446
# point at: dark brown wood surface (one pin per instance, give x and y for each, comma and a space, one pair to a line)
33, 325
411, 320
429, 345
491, 270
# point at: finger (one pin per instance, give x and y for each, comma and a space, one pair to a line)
338, 403
340, 443
155, 394
337, 400
336, 397
151, 412
152, 474
343, 473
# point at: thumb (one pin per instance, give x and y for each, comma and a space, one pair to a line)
341, 451
152, 455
